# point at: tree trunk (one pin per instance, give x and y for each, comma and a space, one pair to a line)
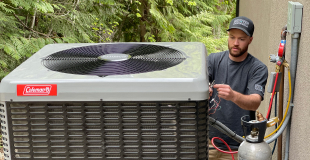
33, 20
142, 19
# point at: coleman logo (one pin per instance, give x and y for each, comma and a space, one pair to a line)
45, 90
37, 90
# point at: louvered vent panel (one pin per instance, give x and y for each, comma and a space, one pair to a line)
108, 130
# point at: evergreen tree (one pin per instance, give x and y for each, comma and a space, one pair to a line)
27, 26
173, 21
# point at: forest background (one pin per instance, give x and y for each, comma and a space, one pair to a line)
28, 25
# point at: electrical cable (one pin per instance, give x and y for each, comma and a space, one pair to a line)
275, 114
274, 147
288, 104
216, 107
230, 152
271, 100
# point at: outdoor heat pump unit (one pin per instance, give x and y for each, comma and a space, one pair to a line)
108, 101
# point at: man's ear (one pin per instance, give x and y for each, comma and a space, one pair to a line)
251, 38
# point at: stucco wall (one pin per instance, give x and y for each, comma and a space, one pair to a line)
269, 16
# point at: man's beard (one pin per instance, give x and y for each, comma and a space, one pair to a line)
241, 52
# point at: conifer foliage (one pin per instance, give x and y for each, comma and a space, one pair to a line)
28, 25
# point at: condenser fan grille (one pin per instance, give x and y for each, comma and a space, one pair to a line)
114, 59
108, 130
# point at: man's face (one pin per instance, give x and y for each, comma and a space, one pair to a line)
238, 42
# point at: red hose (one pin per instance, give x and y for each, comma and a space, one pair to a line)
271, 100
230, 152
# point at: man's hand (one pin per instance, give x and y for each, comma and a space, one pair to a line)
210, 92
210, 88
224, 91
247, 102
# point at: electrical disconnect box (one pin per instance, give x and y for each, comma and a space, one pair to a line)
272, 81
294, 17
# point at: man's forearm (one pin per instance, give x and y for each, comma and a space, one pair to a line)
247, 102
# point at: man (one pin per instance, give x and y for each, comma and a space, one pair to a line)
240, 81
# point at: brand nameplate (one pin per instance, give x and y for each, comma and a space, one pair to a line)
36, 90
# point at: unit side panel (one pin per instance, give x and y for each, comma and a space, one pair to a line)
5, 131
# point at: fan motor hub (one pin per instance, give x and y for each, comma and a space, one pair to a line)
115, 57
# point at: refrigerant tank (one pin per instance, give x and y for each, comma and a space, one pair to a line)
254, 147
254, 151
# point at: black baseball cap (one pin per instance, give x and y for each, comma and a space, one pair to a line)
244, 24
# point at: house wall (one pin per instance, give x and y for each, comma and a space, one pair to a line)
269, 16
